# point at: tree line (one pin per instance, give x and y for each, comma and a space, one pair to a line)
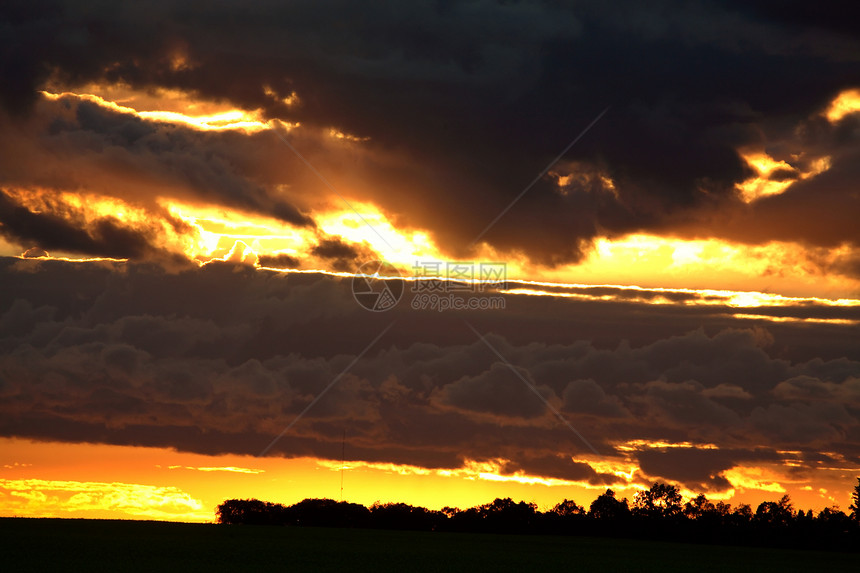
656, 513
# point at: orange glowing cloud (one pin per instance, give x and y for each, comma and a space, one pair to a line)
172, 107
488, 470
646, 260
218, 231
653, 261
846, 102
232, 469
763, 185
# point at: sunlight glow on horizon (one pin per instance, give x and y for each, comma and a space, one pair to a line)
92, 480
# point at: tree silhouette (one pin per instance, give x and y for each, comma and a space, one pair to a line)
742, 514
504, 514
699, 508
567, 508
778, 513
402, 516
723, 508
660, 501
251, 512
834, 519
328, 512
855, 502
606, 507
449, 511
657, 513
566, 517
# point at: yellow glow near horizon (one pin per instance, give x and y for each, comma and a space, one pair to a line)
846, 102
91, 480
119, 477
54, 498
714, 265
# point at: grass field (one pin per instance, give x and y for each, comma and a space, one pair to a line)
93, 545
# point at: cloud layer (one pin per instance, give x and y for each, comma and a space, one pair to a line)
221, 359
447, 111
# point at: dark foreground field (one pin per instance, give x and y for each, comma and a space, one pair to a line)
85, 545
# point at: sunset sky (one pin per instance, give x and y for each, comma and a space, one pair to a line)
187, 191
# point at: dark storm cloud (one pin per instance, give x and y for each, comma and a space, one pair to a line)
560, 467
586, 396
280, 261
334, 249
818, 211
699, 469
475, 98
810, 388
77, 145
221, 358
496, 391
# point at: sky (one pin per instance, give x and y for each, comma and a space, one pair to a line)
618, 245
